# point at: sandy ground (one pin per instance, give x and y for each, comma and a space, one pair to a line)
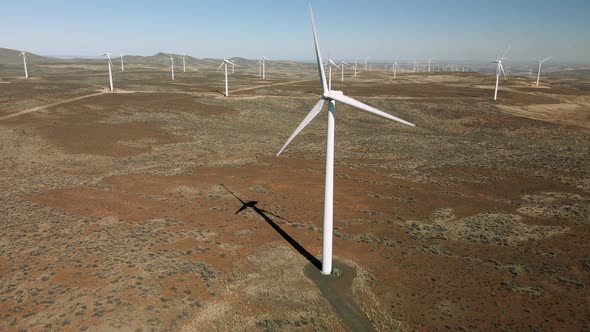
162, 206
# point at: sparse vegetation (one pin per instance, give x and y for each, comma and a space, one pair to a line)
112, 215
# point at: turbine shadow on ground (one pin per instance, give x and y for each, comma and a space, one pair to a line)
264, 214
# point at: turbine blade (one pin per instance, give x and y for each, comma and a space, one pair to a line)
310, 116
503, 72
221, 65
355, 103
334, 64
505, 52
546, 59
318, 54
244, 207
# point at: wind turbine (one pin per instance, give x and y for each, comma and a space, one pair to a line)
330, 65
539, 73
183, 63
355, 68
224, 63
122, 64
499, 70
172, 66
366, 63
330, 96
24, 55
264, 68
108, 55
429, 60
342, 63
395, 67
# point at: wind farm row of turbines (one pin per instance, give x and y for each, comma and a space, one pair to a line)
395, 67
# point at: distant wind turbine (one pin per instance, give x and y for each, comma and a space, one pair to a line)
172, 66
330, 96
539, 73
122, 64
330, 65
342, 63
262, 67
499, 70
395, 67
110, 63
224, 63
183, 63
24, 55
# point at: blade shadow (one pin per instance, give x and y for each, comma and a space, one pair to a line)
264, 214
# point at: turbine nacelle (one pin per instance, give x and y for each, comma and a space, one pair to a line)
330, 95
225, 62
332, 63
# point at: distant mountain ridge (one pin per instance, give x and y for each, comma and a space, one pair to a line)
11, 57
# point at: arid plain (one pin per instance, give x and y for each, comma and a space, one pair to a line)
162, 206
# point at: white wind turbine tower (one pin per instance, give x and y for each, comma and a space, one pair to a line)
355, 68
499, 70
172, 66
395, 67
24, 55
330, 65
108, 55
224, 64
429, 60
264, 67
183, 63
122, 64
342, 63
539, 73
330, 96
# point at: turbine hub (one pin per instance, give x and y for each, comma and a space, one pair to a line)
327, 95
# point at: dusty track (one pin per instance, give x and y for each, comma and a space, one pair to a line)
268, 85
44, 107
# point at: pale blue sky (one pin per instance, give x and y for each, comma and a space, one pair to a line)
280, 29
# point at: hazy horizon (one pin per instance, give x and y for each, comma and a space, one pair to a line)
380, 30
